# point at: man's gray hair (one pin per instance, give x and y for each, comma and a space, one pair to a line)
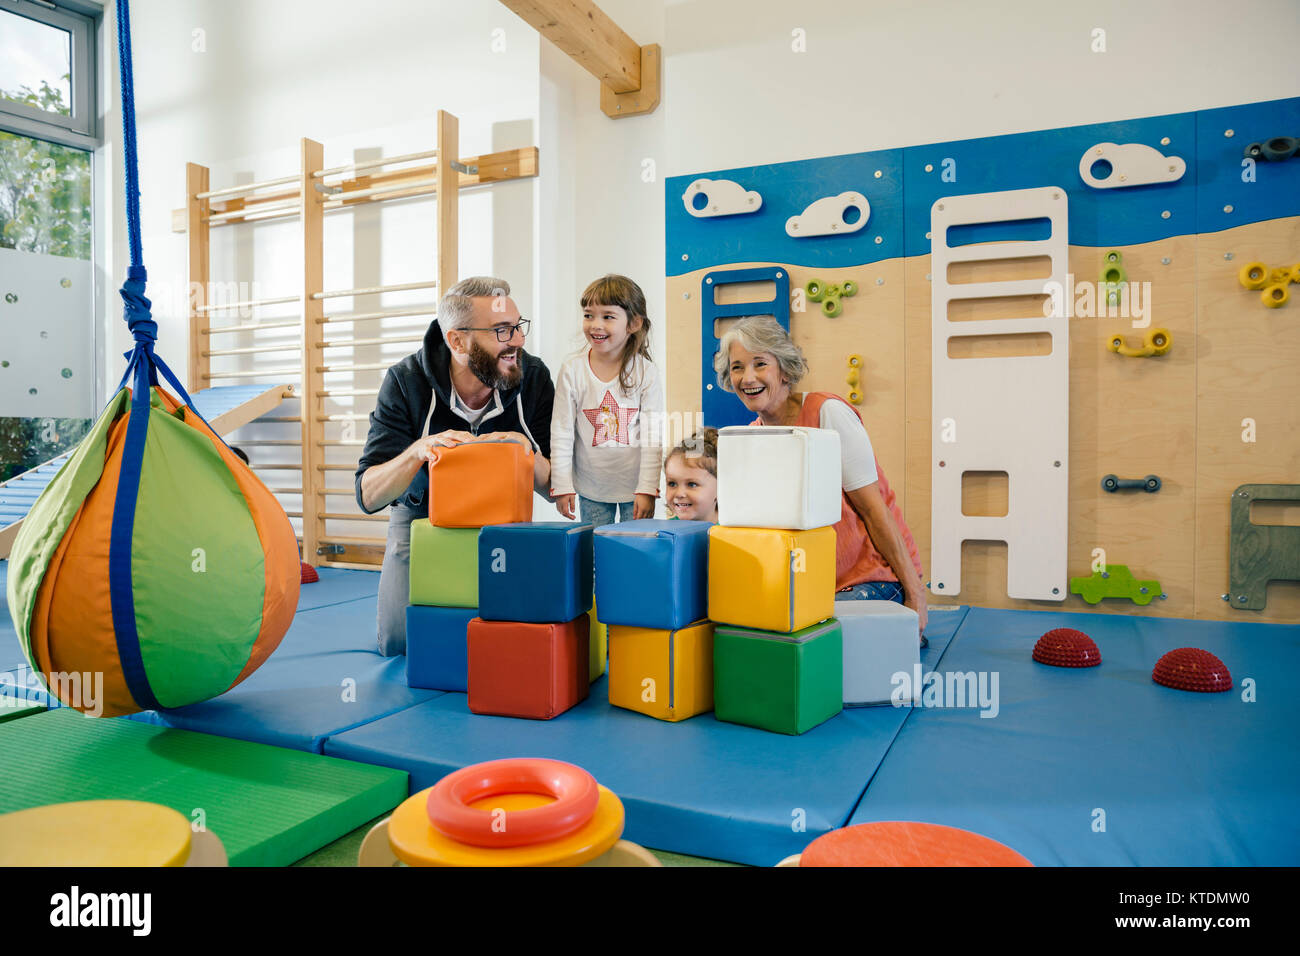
760, 333
456, 308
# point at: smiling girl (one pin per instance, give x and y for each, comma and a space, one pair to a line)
691, 473
603, 450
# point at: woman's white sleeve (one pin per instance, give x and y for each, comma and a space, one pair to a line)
857, 458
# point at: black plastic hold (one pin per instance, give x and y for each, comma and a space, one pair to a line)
1150, 484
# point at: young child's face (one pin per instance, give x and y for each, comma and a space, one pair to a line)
607, 328
692, 492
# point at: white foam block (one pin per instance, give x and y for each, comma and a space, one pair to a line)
881, 639
770, 477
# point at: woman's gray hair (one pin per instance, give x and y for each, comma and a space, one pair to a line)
760, 333
456, 308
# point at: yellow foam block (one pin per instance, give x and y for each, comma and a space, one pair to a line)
663, 674
597, 647
770, 579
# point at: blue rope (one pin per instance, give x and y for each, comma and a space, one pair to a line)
139, 317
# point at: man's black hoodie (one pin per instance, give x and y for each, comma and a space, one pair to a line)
415, 400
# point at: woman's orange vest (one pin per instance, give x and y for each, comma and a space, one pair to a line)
856, 558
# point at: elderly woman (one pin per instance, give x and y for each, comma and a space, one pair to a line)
875, 556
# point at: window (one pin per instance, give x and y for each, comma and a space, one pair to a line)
47, 72
47, 322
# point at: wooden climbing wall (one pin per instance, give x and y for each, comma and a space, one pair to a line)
1182, 415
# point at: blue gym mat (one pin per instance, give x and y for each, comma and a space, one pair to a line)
337, 586
700, 786
1178, 778
326, 676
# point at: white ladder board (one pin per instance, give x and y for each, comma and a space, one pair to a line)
1006, 414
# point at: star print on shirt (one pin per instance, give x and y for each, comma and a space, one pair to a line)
610, 422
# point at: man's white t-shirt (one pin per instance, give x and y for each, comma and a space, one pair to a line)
471, 415
603, 443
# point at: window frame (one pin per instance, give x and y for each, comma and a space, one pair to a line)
81, 129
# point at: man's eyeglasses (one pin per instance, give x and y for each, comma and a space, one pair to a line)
504, 332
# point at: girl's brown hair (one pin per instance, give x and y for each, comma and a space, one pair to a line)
700, 451
627, 295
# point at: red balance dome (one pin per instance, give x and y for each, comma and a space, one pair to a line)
1189, 668
1066, 647
309, 574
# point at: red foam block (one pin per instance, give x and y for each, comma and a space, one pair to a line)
1190, 668
1066, 647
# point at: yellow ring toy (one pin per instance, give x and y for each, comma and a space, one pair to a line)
95, 833
415, 842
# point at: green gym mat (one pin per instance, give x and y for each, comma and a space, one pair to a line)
11, 707
269, 805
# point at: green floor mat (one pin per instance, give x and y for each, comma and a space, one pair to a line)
11, 707
270, 806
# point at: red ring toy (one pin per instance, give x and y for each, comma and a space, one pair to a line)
574, 791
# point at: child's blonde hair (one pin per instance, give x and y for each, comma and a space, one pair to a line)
700, 451
627, 295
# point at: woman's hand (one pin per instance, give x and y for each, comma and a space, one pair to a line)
919, 603
643, 506
565, 504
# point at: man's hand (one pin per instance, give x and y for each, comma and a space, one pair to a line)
565, 504
516, 437
423, 448
643, 506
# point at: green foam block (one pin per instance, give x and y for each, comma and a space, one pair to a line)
269, 806
444, 565
788, 683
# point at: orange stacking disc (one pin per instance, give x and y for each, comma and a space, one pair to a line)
898, 843
573, 792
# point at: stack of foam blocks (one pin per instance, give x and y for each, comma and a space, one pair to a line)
778, 654
499, 604
651, 588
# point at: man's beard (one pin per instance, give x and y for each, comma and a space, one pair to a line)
484, 366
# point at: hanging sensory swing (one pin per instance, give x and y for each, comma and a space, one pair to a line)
155, 557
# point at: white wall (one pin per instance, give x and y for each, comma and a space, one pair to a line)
361, 79
879, 74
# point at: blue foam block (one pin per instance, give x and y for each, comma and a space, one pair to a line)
1177, 778
700, 786
326, 676
436, 647
652, 573
535, 571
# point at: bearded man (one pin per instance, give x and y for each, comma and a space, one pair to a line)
472, 377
